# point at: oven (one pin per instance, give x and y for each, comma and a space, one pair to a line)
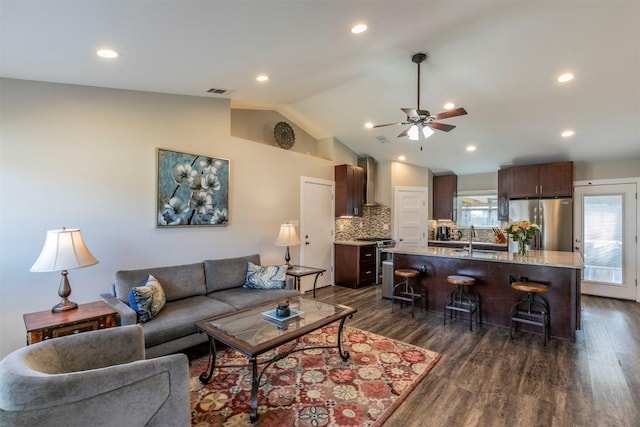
382, 243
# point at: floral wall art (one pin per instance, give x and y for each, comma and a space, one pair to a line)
192, 190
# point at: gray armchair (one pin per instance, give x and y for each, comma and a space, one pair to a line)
98, 378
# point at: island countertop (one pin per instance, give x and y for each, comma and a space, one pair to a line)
494, 271
542, 258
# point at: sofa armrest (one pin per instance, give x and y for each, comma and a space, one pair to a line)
126, 315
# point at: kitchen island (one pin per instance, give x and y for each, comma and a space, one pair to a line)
494, 271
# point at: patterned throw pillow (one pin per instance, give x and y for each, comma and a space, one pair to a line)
265, 277
148, 299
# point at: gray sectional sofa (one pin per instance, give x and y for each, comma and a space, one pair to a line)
193, 292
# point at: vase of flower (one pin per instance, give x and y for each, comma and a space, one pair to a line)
522, 248
522, 232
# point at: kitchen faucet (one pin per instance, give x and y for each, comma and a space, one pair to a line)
472, 234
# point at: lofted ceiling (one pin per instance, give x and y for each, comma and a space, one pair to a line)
499, 59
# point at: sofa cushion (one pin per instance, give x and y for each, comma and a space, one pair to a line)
242, 298
180, 281
265, 277
147, 299
227, 273
177, 319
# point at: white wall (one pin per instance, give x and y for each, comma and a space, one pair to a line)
85, 157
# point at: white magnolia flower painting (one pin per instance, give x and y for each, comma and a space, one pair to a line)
192, 190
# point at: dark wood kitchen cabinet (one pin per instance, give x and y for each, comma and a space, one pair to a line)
544, 180
503, 195
355, 265
349, 190
445, 188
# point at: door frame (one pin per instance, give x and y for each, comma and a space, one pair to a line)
616, 181
303, 225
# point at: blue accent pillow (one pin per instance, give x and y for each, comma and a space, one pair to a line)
265, 277
147, 299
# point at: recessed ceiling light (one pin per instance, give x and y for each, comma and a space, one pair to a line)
402, 158
563, 78
567, 133
360, 28
471, 148
368, 125
107, 53
449, 106
262, 78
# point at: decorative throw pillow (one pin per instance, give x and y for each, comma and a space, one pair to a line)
265, 277
147, 299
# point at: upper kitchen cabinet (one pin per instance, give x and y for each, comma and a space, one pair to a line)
545, 180
445, 188
349, 190
503, 195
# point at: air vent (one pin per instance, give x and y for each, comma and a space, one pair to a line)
220, 91
382, 139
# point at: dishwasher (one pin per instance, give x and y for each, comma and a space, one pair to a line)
387, 279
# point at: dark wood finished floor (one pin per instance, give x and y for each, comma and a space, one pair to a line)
484, 378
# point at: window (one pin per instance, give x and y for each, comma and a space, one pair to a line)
477, 208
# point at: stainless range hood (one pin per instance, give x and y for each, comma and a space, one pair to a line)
368, 164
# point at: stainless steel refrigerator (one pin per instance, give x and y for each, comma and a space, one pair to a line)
555, 218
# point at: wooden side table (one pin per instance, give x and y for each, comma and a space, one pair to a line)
44, 325
299, 271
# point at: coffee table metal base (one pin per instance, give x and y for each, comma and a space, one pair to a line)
256, 377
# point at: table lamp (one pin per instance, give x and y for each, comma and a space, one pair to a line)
63, 250
287, 237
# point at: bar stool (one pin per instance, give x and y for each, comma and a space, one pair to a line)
406, 293
460, 300
531, 308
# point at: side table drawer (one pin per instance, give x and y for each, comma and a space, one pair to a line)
75, 328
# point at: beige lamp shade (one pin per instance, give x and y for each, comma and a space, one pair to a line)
287, 236
63, 250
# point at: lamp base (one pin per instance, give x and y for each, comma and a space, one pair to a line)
64, 305
63, 292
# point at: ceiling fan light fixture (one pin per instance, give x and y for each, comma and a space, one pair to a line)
413, 133
427, 132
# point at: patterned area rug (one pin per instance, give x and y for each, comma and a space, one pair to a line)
313, 387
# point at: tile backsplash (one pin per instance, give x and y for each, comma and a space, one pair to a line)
372, 223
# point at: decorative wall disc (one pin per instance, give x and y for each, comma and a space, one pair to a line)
284, 135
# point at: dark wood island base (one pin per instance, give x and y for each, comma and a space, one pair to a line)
493, 284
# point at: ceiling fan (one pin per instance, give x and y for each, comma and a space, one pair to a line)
422, 121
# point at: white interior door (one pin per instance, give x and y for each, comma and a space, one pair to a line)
316, 229
606, 237
410, 216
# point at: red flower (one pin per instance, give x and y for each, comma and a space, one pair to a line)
357, 337
364, 358
310, 361
375, 390
341, 376
384, 345
413, 356
349, 414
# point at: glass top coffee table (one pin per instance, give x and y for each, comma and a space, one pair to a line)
257, 330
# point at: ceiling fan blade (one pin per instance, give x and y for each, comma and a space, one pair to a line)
411, 112
453, 113
441, 126
404, 133
389, 124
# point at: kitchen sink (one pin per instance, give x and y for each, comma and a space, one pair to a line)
477, 253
